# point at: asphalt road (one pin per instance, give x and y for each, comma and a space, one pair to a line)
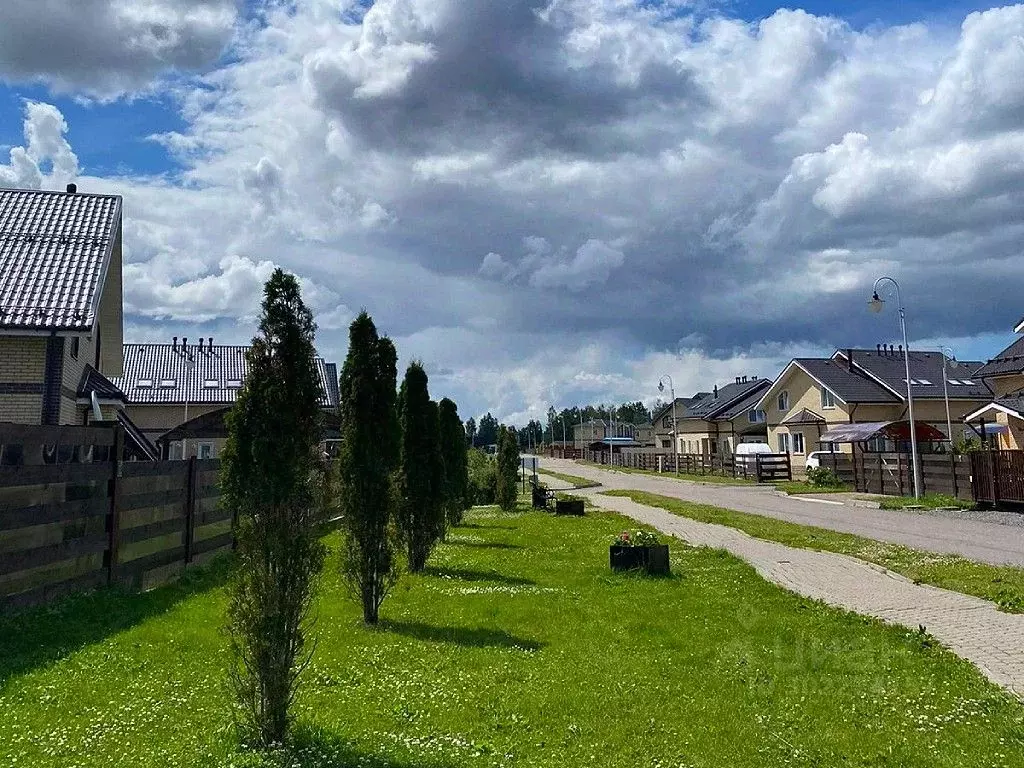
982, 541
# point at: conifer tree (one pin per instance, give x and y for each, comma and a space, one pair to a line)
367, 463
508, 469
456, 462
269, 464
421, 516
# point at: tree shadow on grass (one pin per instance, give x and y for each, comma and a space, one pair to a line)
467, 637
465, 574
481, 526
315, 745
484, 544
34, 637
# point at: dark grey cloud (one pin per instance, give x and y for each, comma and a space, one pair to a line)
106, 47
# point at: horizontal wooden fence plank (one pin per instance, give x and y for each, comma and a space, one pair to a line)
53, 473
152, 530
130, 502
12, 562
137, 567
56, 435
57, 512
216, 542
49, 592
151, 468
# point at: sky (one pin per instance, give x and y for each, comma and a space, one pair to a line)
548, 202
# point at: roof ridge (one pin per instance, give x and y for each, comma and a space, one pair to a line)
77, 193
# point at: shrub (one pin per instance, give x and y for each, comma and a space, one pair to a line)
483, 477
453, 449
823, 477
508, 470
640, 538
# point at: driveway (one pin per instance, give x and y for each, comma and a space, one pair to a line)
982, 541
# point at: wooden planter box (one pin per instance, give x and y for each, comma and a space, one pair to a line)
653, 560
569, 507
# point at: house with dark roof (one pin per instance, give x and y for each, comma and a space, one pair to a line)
717, 421
179, 393
1004, 374
61, 321
662, 418
863, 385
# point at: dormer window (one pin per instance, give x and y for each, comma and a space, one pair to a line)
168, 383
234, 383
211, 383
144, 384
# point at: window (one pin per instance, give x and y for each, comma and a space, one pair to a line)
74, 347
144, 384
828, 400
783, 443
756, 416
205, 451
924, 381
234, 383
211, 383
798, 442
168, 383
783, 401
967, 382
830, 447
666, 443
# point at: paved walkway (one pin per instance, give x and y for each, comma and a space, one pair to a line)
985, 542
972, 628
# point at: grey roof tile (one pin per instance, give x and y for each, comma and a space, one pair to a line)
924, 366
165, 373
55, 249
849, 386
1010, 360
715, 404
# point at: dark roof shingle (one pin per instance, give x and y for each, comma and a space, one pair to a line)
924, 367
55, 249
849, 386
1010, 360
727, 399
164, 373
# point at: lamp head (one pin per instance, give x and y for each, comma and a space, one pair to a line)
661, 386
876, 304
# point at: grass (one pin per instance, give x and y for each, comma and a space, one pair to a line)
1002, 584
517, 647
797, 487
928, 501
720, 479
576, 482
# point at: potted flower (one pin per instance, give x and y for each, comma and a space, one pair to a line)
569, 505
639, 550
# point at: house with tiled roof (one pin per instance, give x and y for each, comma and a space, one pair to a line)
1004, 374
662, 418
61, 321
716, 422
811, 395
179, 393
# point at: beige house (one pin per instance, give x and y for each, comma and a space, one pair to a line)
60, 306
716, 422
811, 395
178, 393
662, 419
1004, 374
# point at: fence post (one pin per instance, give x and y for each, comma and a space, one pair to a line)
114, 491
191, 478
952, 469
881, 475
757, 466
995, 476
899, 471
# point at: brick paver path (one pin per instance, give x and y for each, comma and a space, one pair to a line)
971, 627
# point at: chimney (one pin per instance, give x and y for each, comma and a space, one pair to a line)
849, 360
716, 391
72, 189
892, 351
184, 344
878, 349
174, 344
200, 343
744, 379
209, 344
901, 350
737, 379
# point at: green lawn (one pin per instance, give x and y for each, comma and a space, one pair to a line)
517, 648
928, 501
1002, 584
723, 479
577, 482
802, 486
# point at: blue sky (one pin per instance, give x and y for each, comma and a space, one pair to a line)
553, 211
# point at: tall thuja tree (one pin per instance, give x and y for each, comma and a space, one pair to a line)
269, 464
420, 515
508, 469
367, 463
456, 462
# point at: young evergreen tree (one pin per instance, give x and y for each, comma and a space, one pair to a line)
456, 462
421, 516
508, 469
269, 464
367, 463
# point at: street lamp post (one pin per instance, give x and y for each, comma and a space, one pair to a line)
945, 394
876, 304
675, 435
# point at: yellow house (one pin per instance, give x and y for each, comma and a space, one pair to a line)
811, 395
717, 422
61, 321
1005, 376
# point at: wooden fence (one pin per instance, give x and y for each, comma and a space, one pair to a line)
759, 467
998, 476
74, 515
890, 473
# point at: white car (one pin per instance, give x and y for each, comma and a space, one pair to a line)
814, 458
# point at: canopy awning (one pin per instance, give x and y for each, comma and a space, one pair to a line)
893, 430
